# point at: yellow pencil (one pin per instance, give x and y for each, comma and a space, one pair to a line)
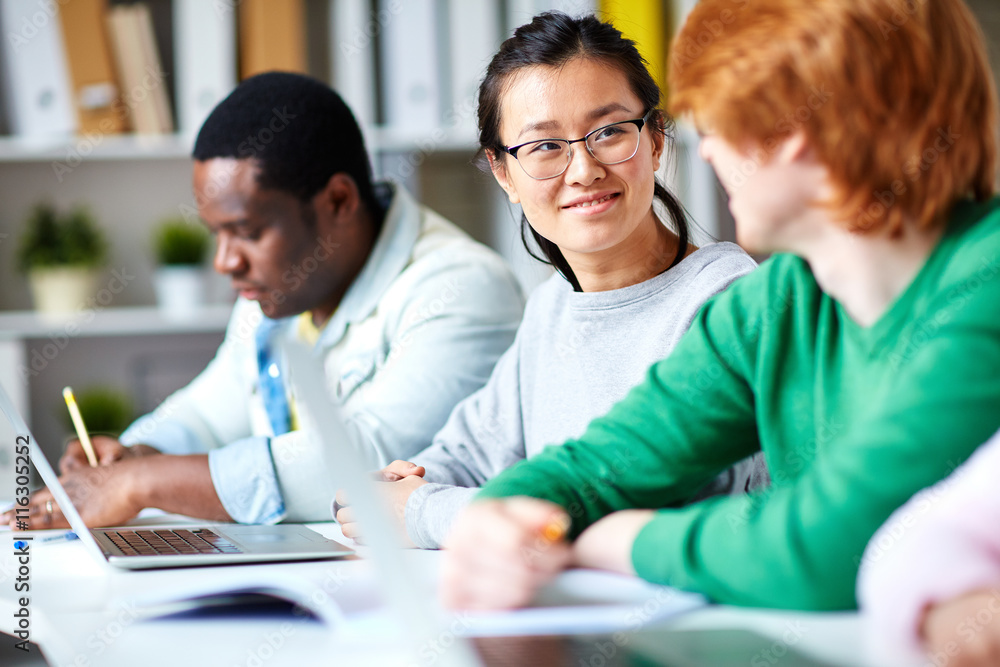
556, 529
81, 429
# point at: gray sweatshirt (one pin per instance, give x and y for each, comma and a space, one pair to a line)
575, 355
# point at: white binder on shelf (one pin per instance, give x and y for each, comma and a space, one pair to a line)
352, 53
475, 35
204, 60
37, 94
411, 95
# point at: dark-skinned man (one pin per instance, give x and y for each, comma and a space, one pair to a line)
406, 313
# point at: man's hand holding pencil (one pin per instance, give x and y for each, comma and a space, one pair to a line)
94, 474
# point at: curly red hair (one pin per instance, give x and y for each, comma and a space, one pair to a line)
895, 97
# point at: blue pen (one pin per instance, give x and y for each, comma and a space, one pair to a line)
65, 536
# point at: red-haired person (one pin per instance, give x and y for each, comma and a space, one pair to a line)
857, 144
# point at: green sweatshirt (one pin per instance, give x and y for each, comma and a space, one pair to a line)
852, 421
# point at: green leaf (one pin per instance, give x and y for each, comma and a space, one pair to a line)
179, 242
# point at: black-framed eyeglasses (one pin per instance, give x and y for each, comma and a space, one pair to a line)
610, 144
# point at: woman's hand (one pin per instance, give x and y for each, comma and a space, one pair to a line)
395, 482
397, 470
502, 551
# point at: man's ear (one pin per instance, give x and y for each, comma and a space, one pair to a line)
500, 174
339, 200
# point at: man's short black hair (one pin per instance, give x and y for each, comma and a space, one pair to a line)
300, 131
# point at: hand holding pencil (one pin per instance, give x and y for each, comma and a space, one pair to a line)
86, 451
81, 428
500, 552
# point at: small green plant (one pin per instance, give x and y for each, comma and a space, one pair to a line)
105, 411
52, 240
178, 242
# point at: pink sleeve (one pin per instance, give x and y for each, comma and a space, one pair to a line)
942, 543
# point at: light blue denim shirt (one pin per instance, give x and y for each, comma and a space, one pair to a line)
419, 330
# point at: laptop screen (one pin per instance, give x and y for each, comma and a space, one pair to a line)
20, 435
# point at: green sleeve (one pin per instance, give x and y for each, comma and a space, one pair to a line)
689, 420
800, 545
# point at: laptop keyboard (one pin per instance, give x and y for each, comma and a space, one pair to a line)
170, 542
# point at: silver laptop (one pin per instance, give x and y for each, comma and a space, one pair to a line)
146, 547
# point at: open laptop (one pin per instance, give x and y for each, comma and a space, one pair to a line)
139, 548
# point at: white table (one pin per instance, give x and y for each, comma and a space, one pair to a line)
82, 614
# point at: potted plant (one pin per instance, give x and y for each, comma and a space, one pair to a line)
62, 256
105, 411
180, 248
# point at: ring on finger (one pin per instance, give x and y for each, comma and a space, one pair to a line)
48, 506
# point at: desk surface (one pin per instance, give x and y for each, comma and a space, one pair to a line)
84, 613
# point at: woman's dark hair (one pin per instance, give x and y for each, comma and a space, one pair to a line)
553, 39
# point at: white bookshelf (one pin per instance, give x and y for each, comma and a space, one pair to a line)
97, 147
385, 139
137, 350
131, 182
134, 321
381, 139
22, 331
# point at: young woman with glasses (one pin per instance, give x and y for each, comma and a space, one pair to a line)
571, 127
857, 142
